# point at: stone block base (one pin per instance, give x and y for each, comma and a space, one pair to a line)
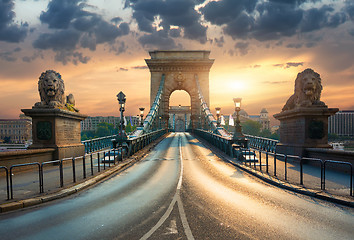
69, 151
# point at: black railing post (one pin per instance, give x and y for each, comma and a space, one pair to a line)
61, 173
260, 160
74, 170
267, 167
84, 165
11, 187
104, 160
275, 164
301, 172
323, 176
98, 162
109, 156
286, 169
41, 179
91, 162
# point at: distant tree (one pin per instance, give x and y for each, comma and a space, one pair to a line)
104, 129
129, 128
266, 133
251, 127
274, 136
86, 135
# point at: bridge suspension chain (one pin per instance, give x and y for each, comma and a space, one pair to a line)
205, 111
153, 113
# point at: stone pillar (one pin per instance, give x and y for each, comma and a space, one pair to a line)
302, 128
58, 129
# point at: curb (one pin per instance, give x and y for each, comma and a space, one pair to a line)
279, 183
12, 206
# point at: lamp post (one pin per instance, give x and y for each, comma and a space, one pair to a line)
122, 136
217, 116
238, 129
121, 100
141, 116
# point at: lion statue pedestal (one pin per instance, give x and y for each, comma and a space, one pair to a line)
304, 118
55, 119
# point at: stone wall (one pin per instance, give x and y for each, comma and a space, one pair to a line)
8, 159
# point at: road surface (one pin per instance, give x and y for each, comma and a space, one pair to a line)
181, 190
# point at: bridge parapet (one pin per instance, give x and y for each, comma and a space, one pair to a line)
261, 143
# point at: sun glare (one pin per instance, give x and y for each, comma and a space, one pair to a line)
238, 85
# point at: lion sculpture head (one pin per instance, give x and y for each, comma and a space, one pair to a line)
51, 90
307, 91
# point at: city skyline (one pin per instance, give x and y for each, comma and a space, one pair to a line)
99, 48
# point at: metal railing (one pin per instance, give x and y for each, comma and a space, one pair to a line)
262, 143
280, 164
97, 144
69, 168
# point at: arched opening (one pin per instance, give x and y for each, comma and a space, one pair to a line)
179, 110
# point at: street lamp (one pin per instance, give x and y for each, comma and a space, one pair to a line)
238, 129
121, 100
217, 116
122, 136
141, 116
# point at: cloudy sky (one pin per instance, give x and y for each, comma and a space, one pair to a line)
99, 47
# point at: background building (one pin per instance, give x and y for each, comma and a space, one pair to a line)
342, 123
262, 118
16, 130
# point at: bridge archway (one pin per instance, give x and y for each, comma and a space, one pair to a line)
180, 69
179, 110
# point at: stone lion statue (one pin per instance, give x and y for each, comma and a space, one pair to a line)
51, 91
307, 92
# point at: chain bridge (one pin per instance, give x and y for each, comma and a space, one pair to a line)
156, 183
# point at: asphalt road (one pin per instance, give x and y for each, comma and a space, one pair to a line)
181, 190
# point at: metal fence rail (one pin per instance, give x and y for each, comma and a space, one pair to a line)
70, 170
280, 164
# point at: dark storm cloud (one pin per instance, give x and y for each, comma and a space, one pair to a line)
59, 40
9, 55
225, 11
294, 45
317, 18
294, 64
273, 19
123, 69
70, 56
10, 31
74, 27
29, 59
157, 39
179, 13
219, 41
242, 48
118, 48
289, 64
349, 9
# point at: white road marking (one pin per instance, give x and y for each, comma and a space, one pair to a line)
176, 198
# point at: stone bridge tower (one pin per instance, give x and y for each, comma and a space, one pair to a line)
180, 68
